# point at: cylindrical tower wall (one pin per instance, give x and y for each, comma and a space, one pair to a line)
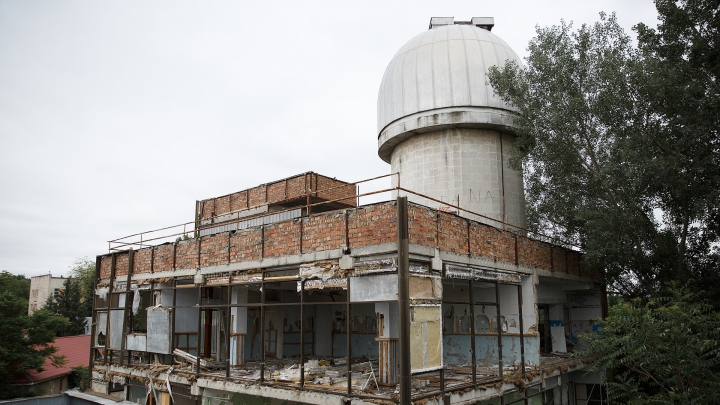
465, 165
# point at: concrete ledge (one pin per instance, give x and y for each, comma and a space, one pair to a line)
417, 252
96, 397
442, 118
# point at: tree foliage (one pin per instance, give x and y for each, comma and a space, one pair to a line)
79, 378
67, 304
621, 151
25, 341
620, 148
83, 270
16, 284
660, 351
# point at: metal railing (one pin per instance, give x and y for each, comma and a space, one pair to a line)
183, 230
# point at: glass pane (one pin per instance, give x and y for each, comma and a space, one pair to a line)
456, 290
317, 292
483, 292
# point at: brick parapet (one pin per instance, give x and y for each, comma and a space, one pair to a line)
293, 188
368, 225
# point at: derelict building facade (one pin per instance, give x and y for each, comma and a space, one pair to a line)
294, 292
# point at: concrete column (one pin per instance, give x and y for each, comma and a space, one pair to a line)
465, 164
530, 319
238, 327
557, 328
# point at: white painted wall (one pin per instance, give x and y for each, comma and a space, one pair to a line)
389, 311
557, 328
41, 287
465, 163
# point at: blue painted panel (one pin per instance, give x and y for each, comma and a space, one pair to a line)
456, 350
361, 345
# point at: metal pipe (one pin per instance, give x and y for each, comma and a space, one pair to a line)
472, 333
502, 180
262, 328
404, 300
113, 262
228, 325
302, 333
522, 329
174, 314
126, 308
93, 325
499, 330
347, 340
199, 334
347, 234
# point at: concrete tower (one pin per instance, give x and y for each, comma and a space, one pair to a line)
441, 127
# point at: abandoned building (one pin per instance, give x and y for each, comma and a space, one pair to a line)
295, 292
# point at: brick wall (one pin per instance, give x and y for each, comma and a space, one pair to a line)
331, 189
186, 254
324, 232
449, 232
282, 238
297, 185
372, 224
121, 265
276, 192
422, 225
246, 245
533, 253
142, 261
214, 249
105, 264
452, 233
289, 189
257, 196
238, 201
164, 257
363, 226
558, 262
573, 263
492, 243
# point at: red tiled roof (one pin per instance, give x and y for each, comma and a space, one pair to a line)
76, 350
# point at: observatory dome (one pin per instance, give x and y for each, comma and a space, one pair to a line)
439, 79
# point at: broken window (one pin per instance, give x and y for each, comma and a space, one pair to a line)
139, 316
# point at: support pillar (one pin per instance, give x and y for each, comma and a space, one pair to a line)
557, 328
238, 330
404, 300
387, 340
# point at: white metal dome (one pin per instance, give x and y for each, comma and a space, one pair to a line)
439, 80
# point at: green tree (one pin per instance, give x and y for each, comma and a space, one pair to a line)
609, 165
79, 378
83, 270
25, 341
660, 351
18, 285
67, 304
683, 56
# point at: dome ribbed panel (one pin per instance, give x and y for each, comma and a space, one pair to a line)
440, 68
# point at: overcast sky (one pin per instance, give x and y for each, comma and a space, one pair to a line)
115, 116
